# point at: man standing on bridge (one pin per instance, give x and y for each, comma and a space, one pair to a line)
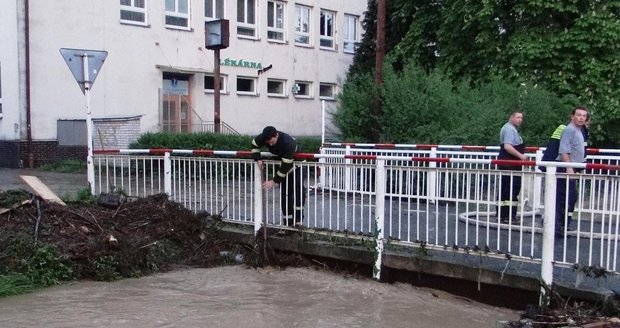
571, 150
511, 148
292, 193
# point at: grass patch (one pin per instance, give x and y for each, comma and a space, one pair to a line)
65, 166
15, 284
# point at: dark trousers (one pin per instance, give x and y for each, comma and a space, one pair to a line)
293, 197
564, 210
508, 195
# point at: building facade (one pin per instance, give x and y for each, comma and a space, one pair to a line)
284, 57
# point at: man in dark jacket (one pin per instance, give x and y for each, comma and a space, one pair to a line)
292, 193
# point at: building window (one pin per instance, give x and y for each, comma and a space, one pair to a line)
276, 88
302, 25
327, 29
133, 12
275, 21
246, 18
210, 83
327, 91
350, 34
177, 14
214, 9
302, 89
246, 85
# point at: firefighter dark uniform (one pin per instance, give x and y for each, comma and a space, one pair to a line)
288, 176
510, 182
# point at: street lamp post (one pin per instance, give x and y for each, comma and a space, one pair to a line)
216, 38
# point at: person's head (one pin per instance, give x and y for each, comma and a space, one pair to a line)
516, 117
579, 116
270, 134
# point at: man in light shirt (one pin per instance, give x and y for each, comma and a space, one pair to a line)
571, 150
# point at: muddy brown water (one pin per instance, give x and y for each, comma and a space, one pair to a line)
236, 296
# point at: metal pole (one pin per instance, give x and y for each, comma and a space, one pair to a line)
379, 58
90, 167
548, 242
379, 217
322, 122
167, 174
216, 91
259, 216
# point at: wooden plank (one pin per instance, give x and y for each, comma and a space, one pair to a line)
41, 189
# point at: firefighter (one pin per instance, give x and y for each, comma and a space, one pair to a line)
511, 148
287, 176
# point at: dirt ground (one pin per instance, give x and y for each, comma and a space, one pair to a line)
117, 237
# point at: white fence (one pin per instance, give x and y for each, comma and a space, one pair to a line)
441, 202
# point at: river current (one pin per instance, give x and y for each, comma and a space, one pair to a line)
236, 296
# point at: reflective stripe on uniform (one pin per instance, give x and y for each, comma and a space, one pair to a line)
558, 132
509, 203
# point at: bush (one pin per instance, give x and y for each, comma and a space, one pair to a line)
215, 141
428, 107
40, 263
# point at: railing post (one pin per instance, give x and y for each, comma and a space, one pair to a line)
379, 216
536, 203
431, 182
167, 174
548, 242
258, 198
347, 170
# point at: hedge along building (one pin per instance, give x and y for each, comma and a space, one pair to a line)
284, 57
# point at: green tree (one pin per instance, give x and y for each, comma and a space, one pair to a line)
567, 47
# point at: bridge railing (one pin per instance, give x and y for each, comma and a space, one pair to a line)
389, 199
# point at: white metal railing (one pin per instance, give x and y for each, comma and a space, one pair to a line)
450, 205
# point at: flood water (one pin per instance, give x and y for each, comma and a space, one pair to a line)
237, 296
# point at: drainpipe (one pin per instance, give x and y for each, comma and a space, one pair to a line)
27, 51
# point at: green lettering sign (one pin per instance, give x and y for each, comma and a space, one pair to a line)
240, 63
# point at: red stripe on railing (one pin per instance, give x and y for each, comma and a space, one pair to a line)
426, 146
247, 153
107, 151
385, 146
428, 159
203, 152
159, 151
366, 157
512, 162
305, 156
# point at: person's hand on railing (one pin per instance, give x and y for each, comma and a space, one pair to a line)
269, 184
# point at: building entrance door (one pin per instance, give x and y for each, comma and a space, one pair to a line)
176, 106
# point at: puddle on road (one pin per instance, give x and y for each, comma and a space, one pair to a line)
239, 297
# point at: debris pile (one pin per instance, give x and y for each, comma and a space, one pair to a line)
133, 237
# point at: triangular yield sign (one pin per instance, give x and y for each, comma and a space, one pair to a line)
73, 58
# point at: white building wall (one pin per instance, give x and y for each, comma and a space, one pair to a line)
9, 71
130, 79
